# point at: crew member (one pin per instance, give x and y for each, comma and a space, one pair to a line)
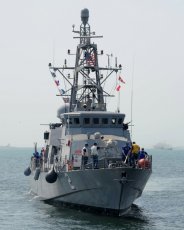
142, 154
36, 158
125, 151
134, 153
85, 155
94, 154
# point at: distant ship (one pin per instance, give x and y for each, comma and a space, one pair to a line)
163, 146
63, 173
5, 146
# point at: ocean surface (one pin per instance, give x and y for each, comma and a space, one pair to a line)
161, 205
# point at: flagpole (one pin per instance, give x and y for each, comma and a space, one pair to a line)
118, 105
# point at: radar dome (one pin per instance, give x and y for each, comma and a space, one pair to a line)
63, 109
84, 16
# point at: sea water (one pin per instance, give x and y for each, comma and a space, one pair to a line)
161, 205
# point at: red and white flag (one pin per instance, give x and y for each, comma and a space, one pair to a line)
118, 87
57, 82
121, 79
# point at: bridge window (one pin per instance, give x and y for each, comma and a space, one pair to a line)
104, 121
113, 121
120, 121
95, 121
76, 120
86, 121
69, 121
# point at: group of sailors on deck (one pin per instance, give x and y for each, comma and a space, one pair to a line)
37, 158
132, 153
93, 153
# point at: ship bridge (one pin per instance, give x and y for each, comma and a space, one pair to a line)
93, 119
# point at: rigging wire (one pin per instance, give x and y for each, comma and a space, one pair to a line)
113, 89
53, 52
64, 81
118, 102
105, 81
131, 107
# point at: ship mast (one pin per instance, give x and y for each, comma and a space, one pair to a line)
87, 93
92, 90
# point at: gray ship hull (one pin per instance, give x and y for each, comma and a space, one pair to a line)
111, 190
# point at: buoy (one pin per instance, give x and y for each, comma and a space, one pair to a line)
70, 166
51, 176
143, 163
37, 173
27, 171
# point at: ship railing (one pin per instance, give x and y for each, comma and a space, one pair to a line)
46, 164
150, 161
35, 163
96, 106
113, 162
58, 165
104, 162
116, 162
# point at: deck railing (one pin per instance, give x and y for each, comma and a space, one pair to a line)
104, 162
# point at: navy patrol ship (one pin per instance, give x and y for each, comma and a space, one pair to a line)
60, 174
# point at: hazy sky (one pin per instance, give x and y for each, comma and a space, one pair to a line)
150, 32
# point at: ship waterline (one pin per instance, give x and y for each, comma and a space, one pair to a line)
113, 190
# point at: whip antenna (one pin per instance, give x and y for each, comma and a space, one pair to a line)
131, 113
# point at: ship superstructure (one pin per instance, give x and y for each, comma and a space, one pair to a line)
59, 174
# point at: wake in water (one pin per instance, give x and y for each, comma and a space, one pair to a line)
33, 196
